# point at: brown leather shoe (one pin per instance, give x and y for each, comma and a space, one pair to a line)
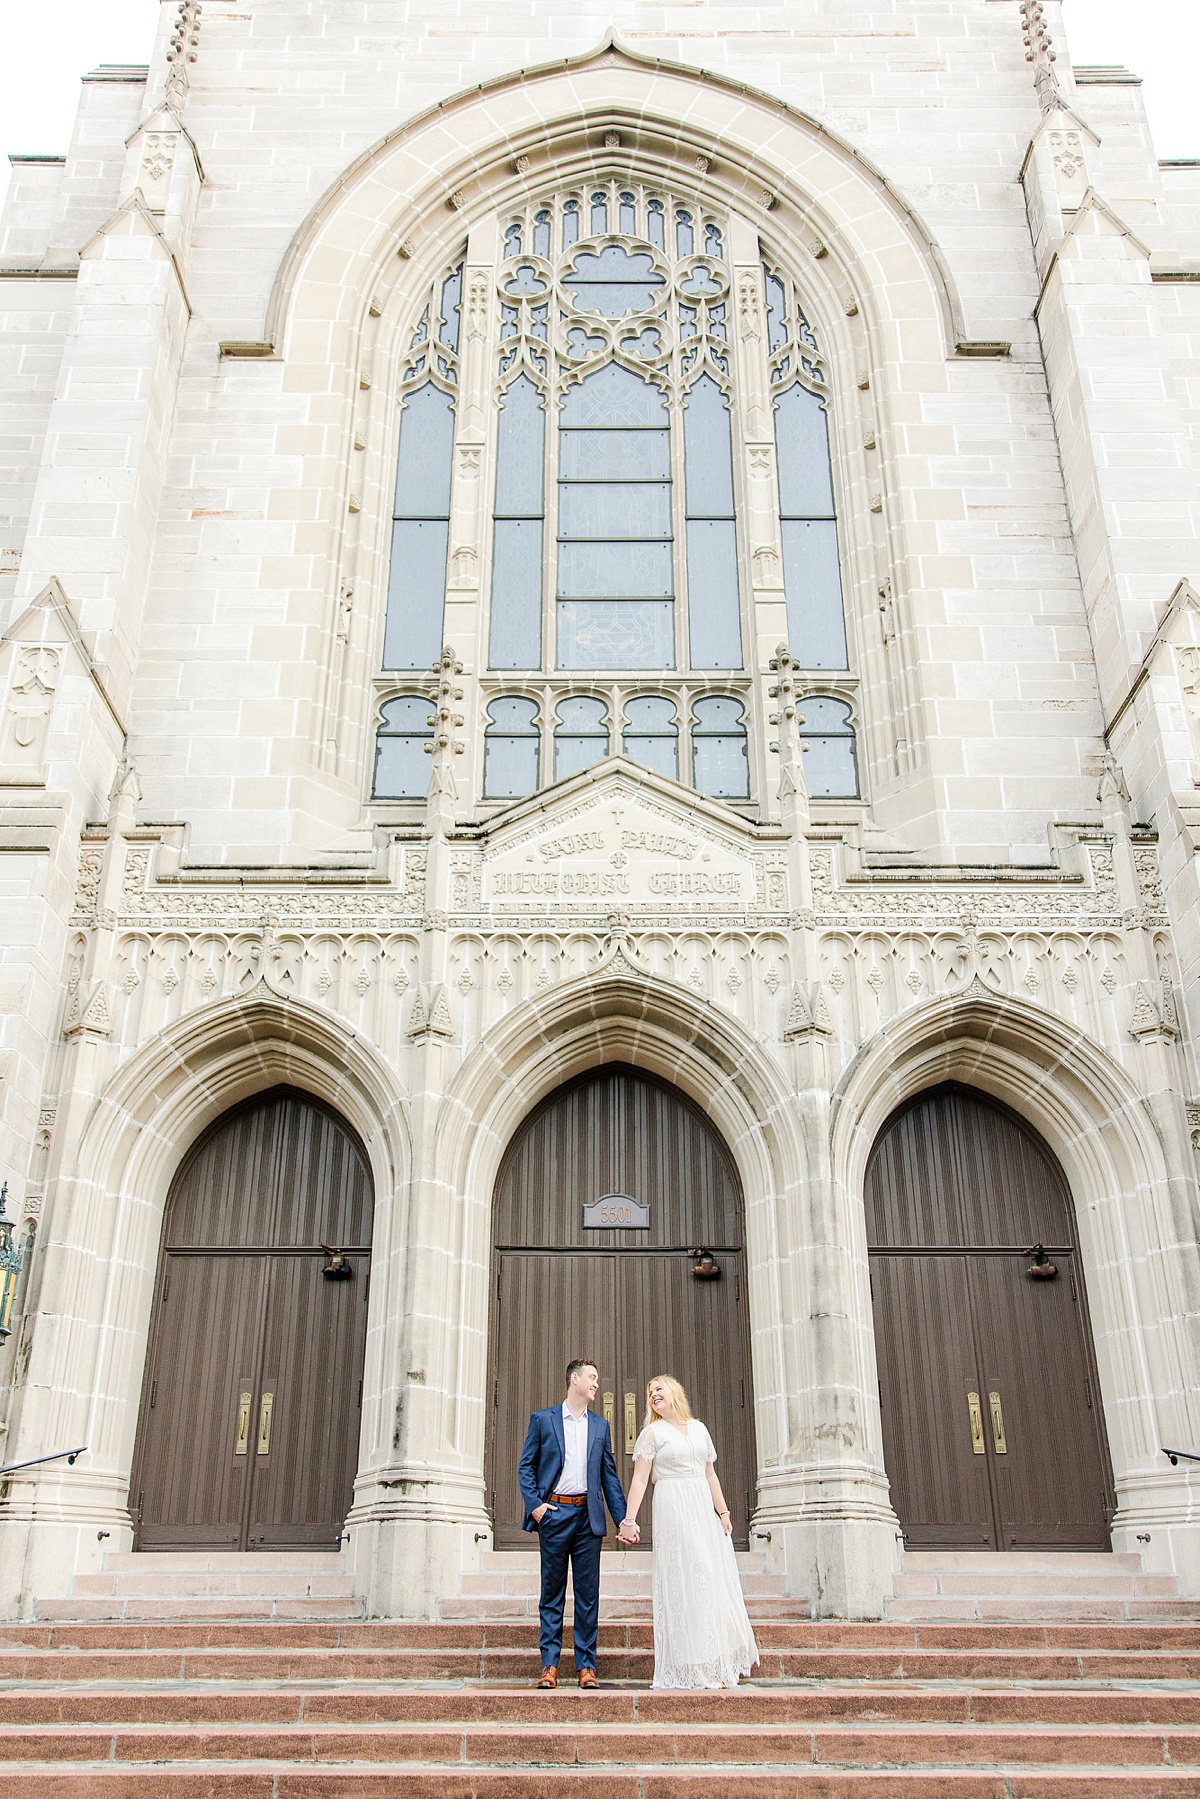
549, 1677
587, 1677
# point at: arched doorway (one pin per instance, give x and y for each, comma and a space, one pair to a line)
249, 1425
625, 1296
992, 1427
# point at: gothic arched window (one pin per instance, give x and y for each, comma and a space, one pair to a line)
401, 764
510, 748
624, 438
831, 761
719, 764
580, 735
651, 734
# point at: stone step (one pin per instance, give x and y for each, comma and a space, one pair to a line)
612, 1608
247, 1605
789, 1664
376, 1780
1120, 1583
1013, 1608
153, 1583
749, 1561
581, 1743
1022, 1560
247, 1637
884, 1702
224, 1560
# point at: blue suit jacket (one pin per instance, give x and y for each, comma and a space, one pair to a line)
542, 1462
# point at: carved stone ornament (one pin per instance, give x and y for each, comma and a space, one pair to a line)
158, 158
1155, 1018
87, 1014
35, 676
430, 1015
1193, 1119
1066, 153
808, 1015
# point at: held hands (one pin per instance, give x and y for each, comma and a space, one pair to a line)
628, 1532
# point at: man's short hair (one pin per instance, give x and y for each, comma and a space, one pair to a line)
581, 1361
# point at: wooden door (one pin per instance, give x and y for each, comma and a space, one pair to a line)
993, 1436
628, 1299
248, 1435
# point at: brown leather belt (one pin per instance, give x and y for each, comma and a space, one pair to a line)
567, 1499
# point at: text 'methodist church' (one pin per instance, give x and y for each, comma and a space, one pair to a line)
599, 755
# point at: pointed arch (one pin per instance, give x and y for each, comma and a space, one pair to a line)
1132, 1207
108, 1209
756, 146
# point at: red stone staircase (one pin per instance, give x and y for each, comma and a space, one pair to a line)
288, 1709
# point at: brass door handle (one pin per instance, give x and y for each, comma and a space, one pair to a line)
975, 1413
998, 1439
264, 1424
630, 1422
241, 1441
610, 1414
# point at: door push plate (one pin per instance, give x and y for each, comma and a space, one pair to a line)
610, 1415
264, 1424
241, 1441
975, 1411
998, 1439
630, 1422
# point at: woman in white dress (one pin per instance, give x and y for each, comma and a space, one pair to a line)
702, 1636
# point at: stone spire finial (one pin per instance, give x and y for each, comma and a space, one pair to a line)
1039, 50
182, 50
445, 745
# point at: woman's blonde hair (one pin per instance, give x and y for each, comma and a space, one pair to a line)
678, 1397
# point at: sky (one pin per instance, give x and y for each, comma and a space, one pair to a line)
46, 45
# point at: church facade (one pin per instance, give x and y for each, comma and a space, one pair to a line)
599, 755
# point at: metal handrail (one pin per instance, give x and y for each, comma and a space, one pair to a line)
39, 1459
1174, 1456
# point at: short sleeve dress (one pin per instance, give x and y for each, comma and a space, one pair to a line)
702, 1636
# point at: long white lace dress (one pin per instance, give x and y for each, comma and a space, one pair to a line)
702, 1636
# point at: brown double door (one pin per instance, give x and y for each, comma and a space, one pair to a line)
627, 1299
993, 1434
249, 1428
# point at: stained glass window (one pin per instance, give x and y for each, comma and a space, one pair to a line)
401, 765
420, 530
651, 734
714, 608
580, 736
516, 616
620, 444
720, 765
812, 578
510, 748
615, 562
831, 761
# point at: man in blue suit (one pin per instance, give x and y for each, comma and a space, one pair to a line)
567, 1472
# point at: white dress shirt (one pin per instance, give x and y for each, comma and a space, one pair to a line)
573, 1478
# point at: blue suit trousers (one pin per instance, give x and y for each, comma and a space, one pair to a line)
566, 1538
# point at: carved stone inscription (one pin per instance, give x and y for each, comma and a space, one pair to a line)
619, 851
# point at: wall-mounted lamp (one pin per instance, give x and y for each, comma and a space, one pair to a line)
337, 1267
705, 1266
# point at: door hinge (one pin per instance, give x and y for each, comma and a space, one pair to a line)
166, 1287
1087, 1387
742, 1390
153, 1393
360, 1395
